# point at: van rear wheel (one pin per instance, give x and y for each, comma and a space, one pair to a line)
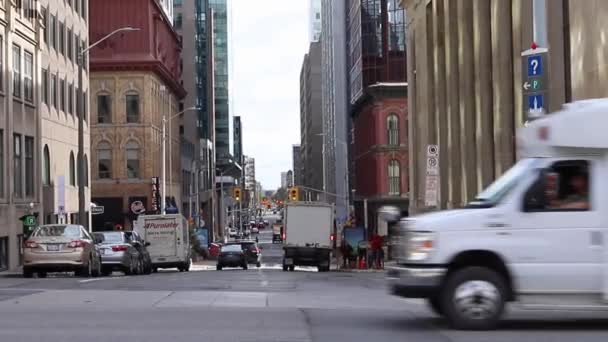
473, 298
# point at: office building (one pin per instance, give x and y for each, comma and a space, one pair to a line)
378, 108
197, 127
297, 165
130, 97
336, 119
314, 13
466, 91
238, 140
311, 123
66, 32
284, 179
20, 128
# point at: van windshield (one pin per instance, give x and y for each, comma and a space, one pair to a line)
494, 193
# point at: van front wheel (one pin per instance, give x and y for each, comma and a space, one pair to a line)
473, 298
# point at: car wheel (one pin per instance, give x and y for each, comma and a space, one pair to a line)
42, 274
474, 298
218, 267
245, 267
148, 269
435, 305
27, 273
155, 270
106, 273
87, 269
292, 268
285, 268
140, 267
97, 271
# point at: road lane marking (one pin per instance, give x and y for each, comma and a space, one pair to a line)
99, 279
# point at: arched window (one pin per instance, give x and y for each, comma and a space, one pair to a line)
104, 160
72, 170
86, 170
132, 102
46, 166
394, 178
132, 160
104, 108
392, 126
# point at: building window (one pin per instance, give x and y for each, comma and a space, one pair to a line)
132, 101
70, 44
46, 166
104, 111
104, 160
45, 86
54, 91
28, 76
1, 64
86, 170
132, 160
72, 170
29, 167
16, 71
177, 3
394, 178
45, 23
54, 32
17, 168
392, 126
177, 22
4, 253
71, 99
1, 163
62, 95
61, 38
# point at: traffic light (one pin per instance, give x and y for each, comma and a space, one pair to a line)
237, 194
294, 194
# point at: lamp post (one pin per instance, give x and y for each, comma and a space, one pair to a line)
81, 99
164, 159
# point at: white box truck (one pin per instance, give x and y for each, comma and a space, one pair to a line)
536, 237
169, 240
308, 232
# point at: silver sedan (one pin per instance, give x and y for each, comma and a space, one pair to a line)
118, 254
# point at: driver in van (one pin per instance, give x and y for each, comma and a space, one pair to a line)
578, 198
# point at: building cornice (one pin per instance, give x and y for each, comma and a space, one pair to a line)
379, 91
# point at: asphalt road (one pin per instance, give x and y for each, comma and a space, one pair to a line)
257, 305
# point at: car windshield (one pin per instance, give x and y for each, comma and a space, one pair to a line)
248, 246
494, 193
68, 231
112, 237
231, 248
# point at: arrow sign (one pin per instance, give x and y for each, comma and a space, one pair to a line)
527, 85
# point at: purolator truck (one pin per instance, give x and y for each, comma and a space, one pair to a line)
537, 237
169, 240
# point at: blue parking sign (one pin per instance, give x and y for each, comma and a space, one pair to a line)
535, 66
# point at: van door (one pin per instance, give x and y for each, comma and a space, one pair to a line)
561, 242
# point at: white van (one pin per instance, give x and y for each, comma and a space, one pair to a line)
538, 236
169, 240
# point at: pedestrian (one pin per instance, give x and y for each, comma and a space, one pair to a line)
376, 246
347, 250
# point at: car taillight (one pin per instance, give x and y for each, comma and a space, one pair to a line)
119, 248
284, 235
76, 244
332, 237
30, 244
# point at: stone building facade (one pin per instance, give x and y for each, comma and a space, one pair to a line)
20, 183
465, 82
129, 97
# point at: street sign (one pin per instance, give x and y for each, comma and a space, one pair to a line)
29, 220
535, 82
97, 210
432, 176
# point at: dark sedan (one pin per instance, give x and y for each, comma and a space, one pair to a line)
232, 255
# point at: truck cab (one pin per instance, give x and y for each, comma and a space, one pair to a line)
537, 236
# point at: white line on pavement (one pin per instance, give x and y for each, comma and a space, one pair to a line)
99, 279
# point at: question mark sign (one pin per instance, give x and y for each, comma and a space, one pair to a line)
534, 63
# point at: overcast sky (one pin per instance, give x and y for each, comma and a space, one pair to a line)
269, 40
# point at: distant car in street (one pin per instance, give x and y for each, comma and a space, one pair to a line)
118, 254
266, 223
61, 248
255, 230
252, 252
231, 255
232, 232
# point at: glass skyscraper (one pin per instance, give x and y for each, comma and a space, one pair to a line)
221, 63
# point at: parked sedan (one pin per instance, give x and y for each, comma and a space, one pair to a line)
118, 254
60, 248
232, 255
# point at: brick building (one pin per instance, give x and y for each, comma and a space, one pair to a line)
377, 75
134, 83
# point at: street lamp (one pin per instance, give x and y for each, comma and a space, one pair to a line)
164, 160
81, 171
